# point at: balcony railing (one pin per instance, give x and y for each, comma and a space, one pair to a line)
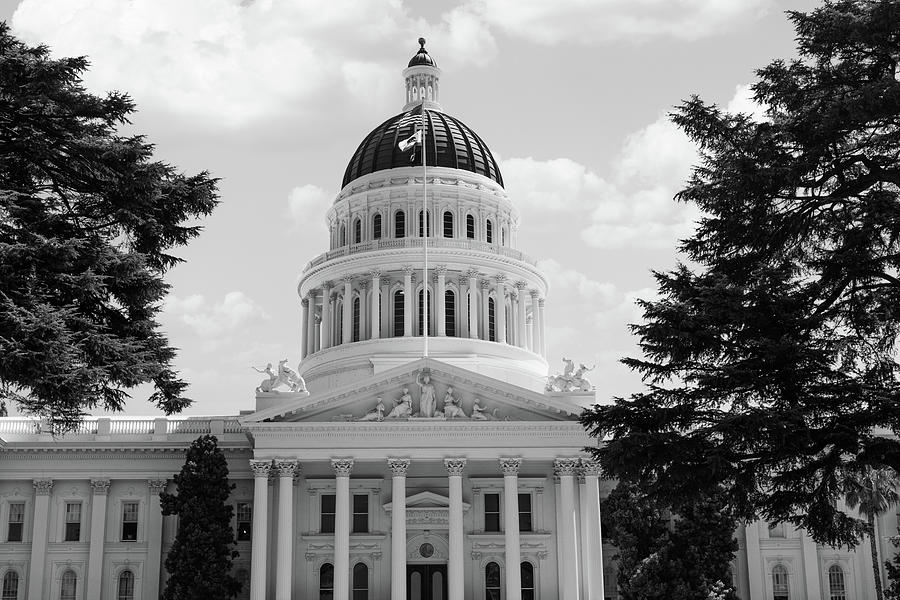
416, 242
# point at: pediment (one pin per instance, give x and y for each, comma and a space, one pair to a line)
480, 398
426, 501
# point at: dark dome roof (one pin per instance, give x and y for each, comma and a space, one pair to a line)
422, 57
449, 143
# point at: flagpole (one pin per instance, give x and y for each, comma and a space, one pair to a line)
425, 294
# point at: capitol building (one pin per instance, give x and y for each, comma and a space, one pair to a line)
417, 452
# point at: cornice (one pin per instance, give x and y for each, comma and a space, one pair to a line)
115, 452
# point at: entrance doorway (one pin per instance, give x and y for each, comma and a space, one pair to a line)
426, 582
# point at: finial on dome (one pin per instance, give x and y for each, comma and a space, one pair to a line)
422, 57
422, 42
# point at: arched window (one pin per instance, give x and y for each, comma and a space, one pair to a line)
470, 227
357, 231
376, 227
836, 586
326, 582
68, 585
398, 313
527, 581
450, 313
422, 312
356, 319
780, 587
492, 331
399, 224
448, 224
10, 586
343, 235
360, 582
427, 217
126, 586
489, 232
492, 581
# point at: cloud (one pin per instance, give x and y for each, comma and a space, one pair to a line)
559, 184
210, 319
597, 21
743, 102
570, 283
230, 63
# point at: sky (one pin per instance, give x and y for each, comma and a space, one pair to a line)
273, 98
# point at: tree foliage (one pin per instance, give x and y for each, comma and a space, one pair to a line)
87, 225
682, 553
200, 559
892, 591
769, 359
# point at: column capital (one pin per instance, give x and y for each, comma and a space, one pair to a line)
304, 302
565, 466
408, 270
326, 287
521, 285
534, 294
363, 285
311, 294
398, 466
375, 273
510, 465
100, 486
500, 278
347, 279
42, 487
260, 468
472, 273
541, 303
455, 466
286, 467
590, 467
462, 280
485, 284
157, 486
440, 270
342, 466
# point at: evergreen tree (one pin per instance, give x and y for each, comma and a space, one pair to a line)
199, 562
682, 553
769, 359
87, 225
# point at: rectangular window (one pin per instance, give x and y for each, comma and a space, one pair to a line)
525, 512
16, 524
326, 518
73, 522
129, 521
360, 513
492, 512
244, 521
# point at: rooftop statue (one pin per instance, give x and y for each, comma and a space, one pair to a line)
284, 376
571, 380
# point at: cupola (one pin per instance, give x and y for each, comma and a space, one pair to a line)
422, 78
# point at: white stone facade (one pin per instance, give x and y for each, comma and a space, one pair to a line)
480, 492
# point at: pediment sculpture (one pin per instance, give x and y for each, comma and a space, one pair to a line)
283, 376
571, 379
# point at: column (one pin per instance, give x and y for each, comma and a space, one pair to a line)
407, 302
94, 583
462, 306
500, 309
342, 468
304, 329
584, 554
485, 313
154, 539
543, 327
347, 333
398, 468
529, 332
441, 313
510, 468
311, 324
386, 312
42, 489
565, 469
521, 337
591, 527
259, 543
560, 562
326, 315
283, 568
810, 565
363, 312
456, 563
754, 560
318, 342
376, 313
473, 303
537, 333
